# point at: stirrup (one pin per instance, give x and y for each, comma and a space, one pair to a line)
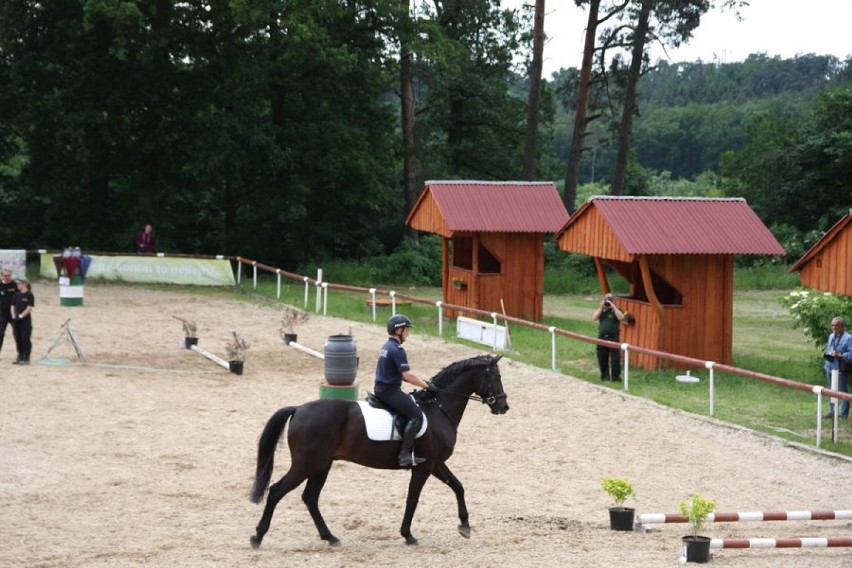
408, 459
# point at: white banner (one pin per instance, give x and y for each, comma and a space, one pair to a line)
15, 260
153, 269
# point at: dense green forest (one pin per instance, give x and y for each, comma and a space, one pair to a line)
281, 129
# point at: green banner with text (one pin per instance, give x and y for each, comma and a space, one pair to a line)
152, 269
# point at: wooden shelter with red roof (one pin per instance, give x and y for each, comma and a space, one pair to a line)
827, 265
493, 240
677, 255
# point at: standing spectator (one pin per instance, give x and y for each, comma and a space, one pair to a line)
838, 356
22, 311
145, 241
609, 319
8, 289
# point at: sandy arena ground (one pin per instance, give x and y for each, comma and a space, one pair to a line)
145, 456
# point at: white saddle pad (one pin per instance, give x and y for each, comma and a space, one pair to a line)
380, 423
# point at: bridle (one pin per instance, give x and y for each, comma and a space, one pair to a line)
489, 397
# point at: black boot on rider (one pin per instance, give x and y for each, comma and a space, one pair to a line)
406, 456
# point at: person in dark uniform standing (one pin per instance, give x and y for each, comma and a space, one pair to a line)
391, 370
8, 289
22, 311
609, 319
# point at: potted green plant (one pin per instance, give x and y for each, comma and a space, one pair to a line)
290, 318
620, 517
696, 548
190, 332
629, 319
459, 283
236, 349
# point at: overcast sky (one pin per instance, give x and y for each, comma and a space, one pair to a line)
775, 27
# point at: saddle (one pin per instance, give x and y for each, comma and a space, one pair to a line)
382, 422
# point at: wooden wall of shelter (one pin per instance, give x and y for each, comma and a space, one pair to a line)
493, 249
827, 265
520, 285
680, 303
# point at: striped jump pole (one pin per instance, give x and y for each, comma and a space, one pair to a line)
218, 360
307, 350
806, 542
658, 518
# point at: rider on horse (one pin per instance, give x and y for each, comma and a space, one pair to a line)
391, 370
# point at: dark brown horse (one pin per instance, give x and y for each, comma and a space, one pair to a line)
326, 430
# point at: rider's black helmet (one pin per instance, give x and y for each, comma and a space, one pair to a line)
398, 321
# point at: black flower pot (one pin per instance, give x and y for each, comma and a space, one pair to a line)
621, 518
696, 549
236, 367
188, 342
290, 338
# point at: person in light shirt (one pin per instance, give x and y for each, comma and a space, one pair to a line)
838, 356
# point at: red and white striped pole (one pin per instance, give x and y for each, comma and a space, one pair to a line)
807, 542
657, 518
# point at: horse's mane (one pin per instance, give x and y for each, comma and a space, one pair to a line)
448, 373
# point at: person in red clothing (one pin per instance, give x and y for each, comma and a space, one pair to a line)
145, 241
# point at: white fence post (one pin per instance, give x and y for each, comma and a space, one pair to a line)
817, 390
307, 291
373, 301
319, 290
278, 286
254, 273
325, 298
835, 404
438, 304
709, 365
626, 348
552, 330
393, 302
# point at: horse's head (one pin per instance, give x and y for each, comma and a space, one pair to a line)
490, 386
477, 378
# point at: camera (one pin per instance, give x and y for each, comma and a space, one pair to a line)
828, 357
607, 304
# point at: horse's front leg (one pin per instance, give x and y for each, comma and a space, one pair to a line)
443, 473
310, 496
419, 475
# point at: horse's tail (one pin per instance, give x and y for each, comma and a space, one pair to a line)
266, 451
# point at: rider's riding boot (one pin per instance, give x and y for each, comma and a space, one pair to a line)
406, 456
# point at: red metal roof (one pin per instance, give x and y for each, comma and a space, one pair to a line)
824, 240
489, 206
684, 225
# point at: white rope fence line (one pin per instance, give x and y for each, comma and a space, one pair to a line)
711, 366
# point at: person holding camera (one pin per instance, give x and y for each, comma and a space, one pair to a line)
838, 356
609, 319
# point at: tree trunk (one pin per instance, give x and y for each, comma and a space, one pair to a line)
534, 100
409, 157
572, 173
633, 76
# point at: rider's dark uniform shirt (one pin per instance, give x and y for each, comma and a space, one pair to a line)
393, 361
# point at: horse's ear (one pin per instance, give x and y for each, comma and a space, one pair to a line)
496, 358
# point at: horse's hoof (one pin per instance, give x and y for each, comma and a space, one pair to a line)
464, 531
255, 541
333, 541
411, 541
